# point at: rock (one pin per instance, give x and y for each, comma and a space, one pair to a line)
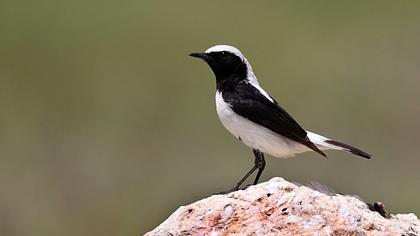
278, 207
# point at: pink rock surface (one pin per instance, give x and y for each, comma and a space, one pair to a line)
278, 207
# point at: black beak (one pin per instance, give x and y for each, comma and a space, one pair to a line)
201, 55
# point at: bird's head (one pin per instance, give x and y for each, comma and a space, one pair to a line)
227, 62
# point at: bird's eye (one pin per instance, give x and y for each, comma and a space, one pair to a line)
224, 53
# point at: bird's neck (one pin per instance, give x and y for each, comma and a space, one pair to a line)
229, 83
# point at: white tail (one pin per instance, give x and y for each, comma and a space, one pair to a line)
324, 143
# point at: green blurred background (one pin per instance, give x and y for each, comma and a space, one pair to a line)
107, 126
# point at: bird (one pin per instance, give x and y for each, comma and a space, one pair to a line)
255, 118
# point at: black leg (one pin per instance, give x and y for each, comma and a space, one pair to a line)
260, 164
244, 178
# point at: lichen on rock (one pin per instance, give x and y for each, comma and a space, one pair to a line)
278, 207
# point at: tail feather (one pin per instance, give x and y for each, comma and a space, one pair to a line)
325, 143
349, 148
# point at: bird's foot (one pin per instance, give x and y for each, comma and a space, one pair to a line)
236, 188
226, 192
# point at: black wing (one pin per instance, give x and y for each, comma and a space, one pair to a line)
248, 102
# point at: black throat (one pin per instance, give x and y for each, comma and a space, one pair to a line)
229, 82
229, 69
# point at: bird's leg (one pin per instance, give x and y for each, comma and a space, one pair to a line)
260, 164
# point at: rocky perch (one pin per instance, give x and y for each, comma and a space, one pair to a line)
278, 207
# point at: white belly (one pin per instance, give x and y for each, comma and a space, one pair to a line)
256, 136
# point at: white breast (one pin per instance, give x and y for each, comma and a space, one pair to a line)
255, 136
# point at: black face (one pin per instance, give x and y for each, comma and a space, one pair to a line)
225, 65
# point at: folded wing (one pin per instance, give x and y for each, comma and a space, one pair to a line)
251, 104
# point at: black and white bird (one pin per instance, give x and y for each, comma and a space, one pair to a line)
254, 117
